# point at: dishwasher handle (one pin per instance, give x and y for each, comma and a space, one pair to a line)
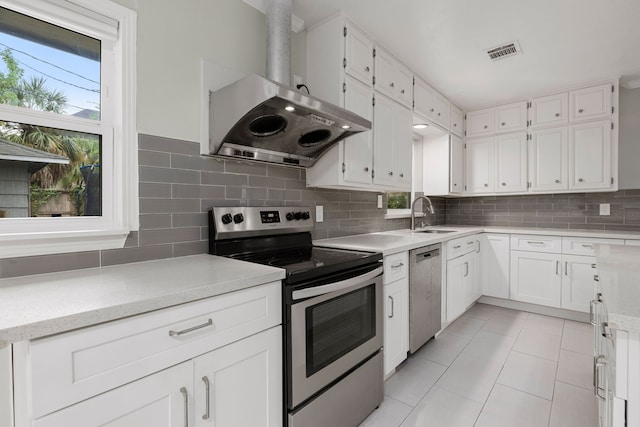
426, 255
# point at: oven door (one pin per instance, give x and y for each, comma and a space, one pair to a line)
333, 328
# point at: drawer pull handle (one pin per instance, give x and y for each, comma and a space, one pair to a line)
557, 267
557, 114
566, 268
207, 395
533, 242
185, 397
398, 265
391, 314
587, 246
457, 247
194, 328
598, 362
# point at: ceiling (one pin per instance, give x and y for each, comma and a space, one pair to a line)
564, 42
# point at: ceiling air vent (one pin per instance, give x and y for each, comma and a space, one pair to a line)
504, 51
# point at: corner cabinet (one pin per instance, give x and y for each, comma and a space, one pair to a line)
344, 70
216, 361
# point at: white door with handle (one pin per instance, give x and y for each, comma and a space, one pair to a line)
577, 282
396, 324
536, 277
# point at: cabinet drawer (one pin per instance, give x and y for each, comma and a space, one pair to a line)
73, 366
585, 246
461, 246
396, 267
535, 243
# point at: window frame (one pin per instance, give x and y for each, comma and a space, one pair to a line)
115, 26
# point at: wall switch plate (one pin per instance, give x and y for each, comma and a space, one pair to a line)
379, 201
605, 209
319, 213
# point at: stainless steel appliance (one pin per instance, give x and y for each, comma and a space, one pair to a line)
332, 320
425, 291
264, 119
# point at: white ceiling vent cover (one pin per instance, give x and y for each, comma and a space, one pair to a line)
504, 51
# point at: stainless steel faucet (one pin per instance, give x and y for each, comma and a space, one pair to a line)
413, 210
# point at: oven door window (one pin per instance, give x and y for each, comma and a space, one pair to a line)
339, 325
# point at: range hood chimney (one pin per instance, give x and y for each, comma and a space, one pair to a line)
264, 119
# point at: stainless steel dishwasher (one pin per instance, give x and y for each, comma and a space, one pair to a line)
425, 290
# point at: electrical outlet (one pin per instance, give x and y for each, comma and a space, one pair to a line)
605, 209
319, 213
379, 201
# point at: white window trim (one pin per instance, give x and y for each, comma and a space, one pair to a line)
39, 236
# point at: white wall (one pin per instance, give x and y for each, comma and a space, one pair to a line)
629, 139
173, 38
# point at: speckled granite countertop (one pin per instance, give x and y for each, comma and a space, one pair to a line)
47, 304
619, 280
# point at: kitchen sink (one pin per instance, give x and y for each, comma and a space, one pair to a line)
435, 231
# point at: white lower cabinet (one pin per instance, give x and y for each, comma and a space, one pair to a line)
494, 262
461, 284
536, 278
577, 282
396, 324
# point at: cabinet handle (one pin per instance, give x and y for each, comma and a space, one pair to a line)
534, 242
438, 114
457, 247
593, 266
392, 85
485, 126
401, 175
587, 246
606, 330
597, 364
366, 168
557, 266
502, 124
504, 183
207, 396
580, 180
557, 114
592, 312
486, 185
432, 110
596, 278
455, 124
398, 265
455, 185
390, 173
185, 398
466, 269
557, 181
366, 69
566, 268
580, 111
402, 91
478, 250
390, 316
194, 328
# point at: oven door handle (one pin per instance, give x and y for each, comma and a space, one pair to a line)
333, 287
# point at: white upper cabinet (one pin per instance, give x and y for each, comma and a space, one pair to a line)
456, 121
511, 160
392, 144
511, 117
589, 155
480, 169
402, 152
392, 78
479, 122
548, 164
358, 59
549, 110
456, 165
431, 105
358, 149
590, 103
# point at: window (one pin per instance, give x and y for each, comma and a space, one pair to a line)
68, 150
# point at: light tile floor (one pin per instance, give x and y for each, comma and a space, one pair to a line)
495, 367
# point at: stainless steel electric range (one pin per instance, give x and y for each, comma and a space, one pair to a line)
332, 312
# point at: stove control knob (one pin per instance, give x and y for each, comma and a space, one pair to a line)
238, 218
305, 215
226, 218
298, 215
289, 216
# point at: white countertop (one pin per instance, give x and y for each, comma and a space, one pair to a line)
46, 304
619, 279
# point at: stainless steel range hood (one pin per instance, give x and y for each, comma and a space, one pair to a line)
264, 119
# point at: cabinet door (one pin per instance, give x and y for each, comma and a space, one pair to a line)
456, 272
536, 278
404, 85
456, 120
590, 155
549, 110
479, 161
358, 149
511, 158
402, 151
511, 117
384, 133
470, 280
241, 384
590, 103
385, 73
424, 97
548, 162
479, 122
457, 165
396, 324
358, 55
577, 282
494, 255
163, 399
442, 114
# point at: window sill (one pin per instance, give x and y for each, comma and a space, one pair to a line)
30, 244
